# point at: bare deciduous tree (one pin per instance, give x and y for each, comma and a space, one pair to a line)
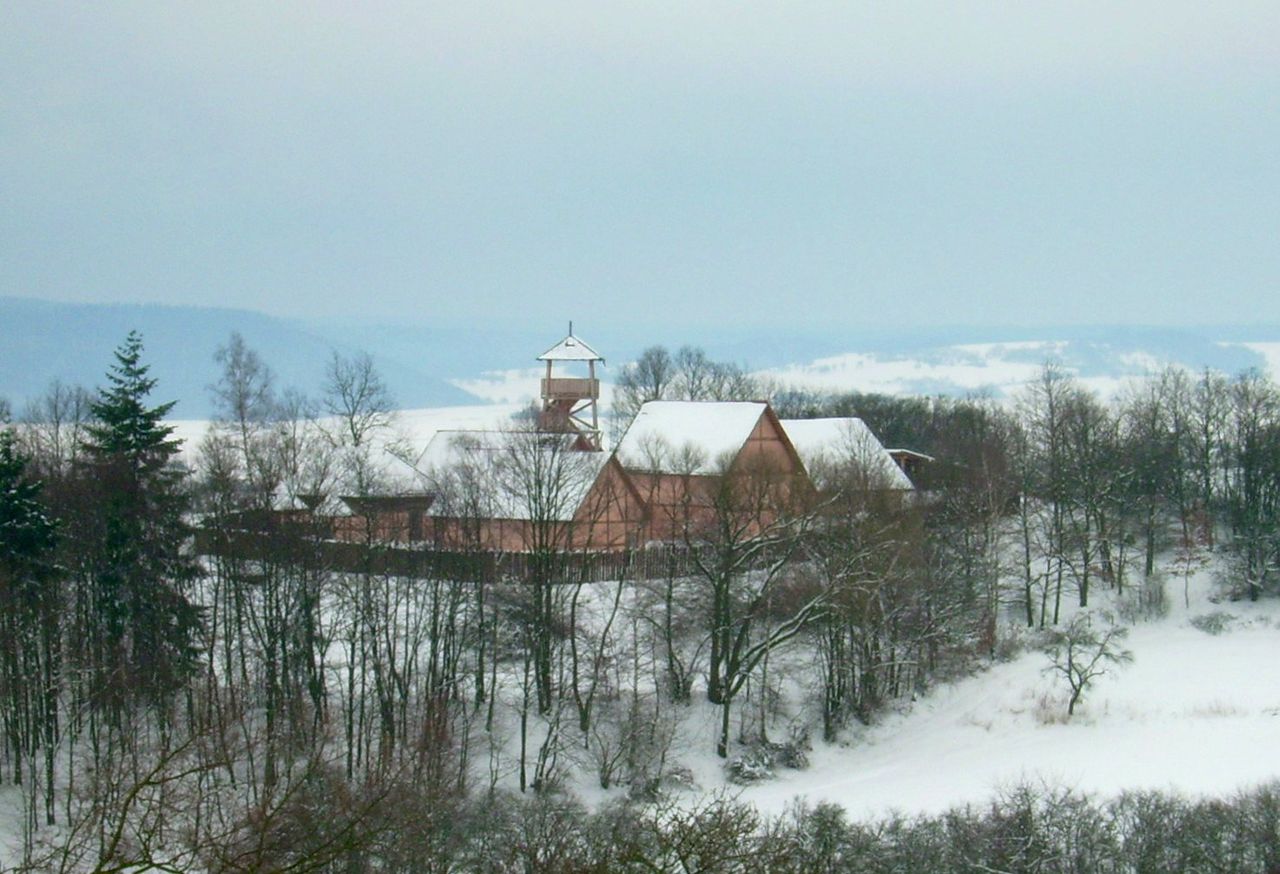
645, 379
741, 532
1081, 652
54, 427
361, 405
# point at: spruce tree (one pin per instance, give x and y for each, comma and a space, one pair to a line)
30, 610
142, 625
27, 535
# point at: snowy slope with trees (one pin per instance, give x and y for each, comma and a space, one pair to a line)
1196, 712
298, 700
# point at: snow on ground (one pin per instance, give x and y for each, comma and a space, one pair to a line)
972, 367
1000, 369
411, 430
11, 807
421, 425
504, 386
1270, 352
1195, 712
518, 386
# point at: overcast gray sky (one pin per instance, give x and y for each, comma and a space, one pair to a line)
827, 164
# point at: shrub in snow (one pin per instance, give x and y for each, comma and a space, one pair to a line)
753, 766
1011, 642
798, 732
1146, 600
1238, 579
789, 755
759, 761
1212, 623
1048, 710
681, 777
653, 789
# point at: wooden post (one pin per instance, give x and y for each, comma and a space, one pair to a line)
595, 415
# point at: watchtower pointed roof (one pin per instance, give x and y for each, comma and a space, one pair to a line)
571, 348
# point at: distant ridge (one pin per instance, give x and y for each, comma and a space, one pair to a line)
41, 341
429, 365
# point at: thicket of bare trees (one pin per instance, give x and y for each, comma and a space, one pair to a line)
293, 702
688, 374
1176, 461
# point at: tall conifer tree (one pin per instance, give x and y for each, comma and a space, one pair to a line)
146, 626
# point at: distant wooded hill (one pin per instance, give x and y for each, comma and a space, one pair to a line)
42, 341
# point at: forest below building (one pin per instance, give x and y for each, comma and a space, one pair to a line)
255, 706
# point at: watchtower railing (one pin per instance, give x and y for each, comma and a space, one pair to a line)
570, 388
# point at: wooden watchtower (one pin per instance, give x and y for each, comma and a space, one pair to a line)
571, 403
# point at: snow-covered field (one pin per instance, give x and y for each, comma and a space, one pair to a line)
518, 386
1195, 712
1001, 369
972, 367
409, 434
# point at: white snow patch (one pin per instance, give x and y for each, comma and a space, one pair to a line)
1270, 353
708, 431
1003, 369
1105, 387
1195, 713
997, 350
506, 459
830, 441
869, 373
518, 386
408, 435
1143, 362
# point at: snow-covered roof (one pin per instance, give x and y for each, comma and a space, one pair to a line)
509, 474
687, 436
571, 348
832, 441
447, 447
909, 453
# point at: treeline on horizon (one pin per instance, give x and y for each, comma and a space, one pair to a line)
265, 710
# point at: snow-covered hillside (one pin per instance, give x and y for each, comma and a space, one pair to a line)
1196, 712
1102, 361
1002, 368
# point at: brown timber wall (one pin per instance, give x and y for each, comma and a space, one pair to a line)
424, 563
